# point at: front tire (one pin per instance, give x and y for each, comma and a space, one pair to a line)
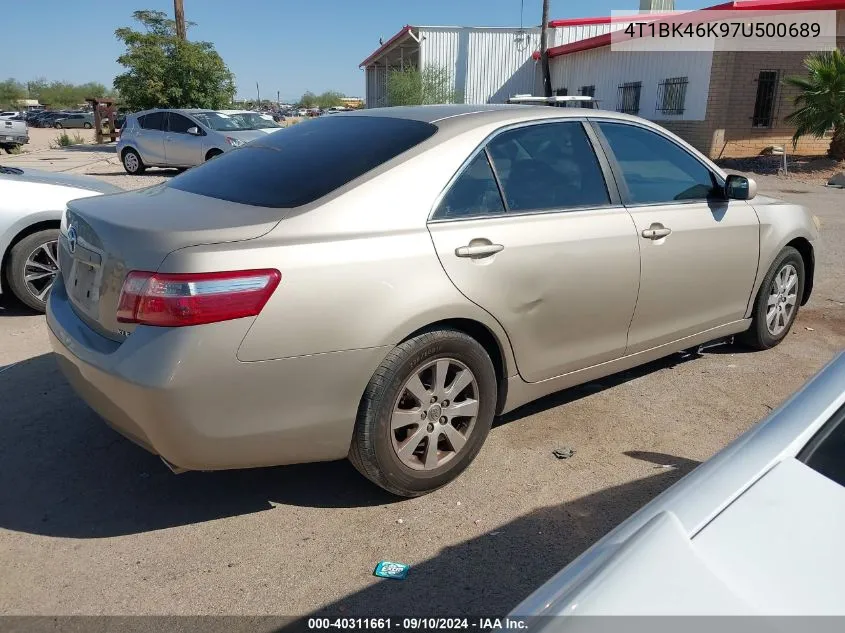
132, 162
425, 413
33, 266
777, 302
212, 153
58, 126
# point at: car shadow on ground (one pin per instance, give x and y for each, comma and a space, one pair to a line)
65, 473
489, 575
87, 147
10, 307
161, 172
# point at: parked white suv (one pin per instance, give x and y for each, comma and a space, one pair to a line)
178, 138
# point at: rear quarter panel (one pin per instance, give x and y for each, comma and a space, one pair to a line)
358, 270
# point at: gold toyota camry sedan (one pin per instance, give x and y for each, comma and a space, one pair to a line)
379, 285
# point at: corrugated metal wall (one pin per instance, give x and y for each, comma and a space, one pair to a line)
376, 87
607, 70
568, 34
486, 65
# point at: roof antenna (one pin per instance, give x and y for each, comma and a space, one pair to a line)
519, 37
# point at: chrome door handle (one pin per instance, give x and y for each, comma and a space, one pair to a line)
655, 232
479, 250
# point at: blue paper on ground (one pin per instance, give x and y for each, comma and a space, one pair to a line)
386, 569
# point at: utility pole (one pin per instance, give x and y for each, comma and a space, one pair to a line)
258, 90
544, 52
179, 11
278, 99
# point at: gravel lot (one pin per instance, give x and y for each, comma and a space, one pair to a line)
92, 524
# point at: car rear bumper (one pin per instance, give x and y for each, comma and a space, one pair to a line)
181, 392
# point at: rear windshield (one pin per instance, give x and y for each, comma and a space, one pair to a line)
304, 162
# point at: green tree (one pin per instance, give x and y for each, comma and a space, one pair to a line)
329, 99
308, 100
821, 103
412, 86
166, 72
11, 91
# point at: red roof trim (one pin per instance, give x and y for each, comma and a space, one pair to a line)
404, 31
555, 24
759, 5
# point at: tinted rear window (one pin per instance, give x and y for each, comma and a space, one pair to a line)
304, 162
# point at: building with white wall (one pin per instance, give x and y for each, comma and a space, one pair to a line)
484, 64
725, 103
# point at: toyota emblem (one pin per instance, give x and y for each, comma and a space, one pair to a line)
71, 239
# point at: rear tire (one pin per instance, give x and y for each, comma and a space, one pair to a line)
87, 126
132, 162
58, 126
28, 258
776, 306
410, 447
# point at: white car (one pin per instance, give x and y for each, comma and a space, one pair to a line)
253, 120
31, 207
756, 530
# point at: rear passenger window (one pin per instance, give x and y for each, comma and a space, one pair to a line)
548, 166
654, 168
152, 121
473, 194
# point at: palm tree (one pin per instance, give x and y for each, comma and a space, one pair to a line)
821, 104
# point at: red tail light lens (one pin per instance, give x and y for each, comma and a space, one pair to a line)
175, 300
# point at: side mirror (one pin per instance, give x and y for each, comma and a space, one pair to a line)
194, 131
740, 188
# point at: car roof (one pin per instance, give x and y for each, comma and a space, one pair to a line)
469, 116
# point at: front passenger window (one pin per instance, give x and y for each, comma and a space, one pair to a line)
473, 194
655, 169
179, 124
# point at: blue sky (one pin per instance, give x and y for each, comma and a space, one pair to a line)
285, 45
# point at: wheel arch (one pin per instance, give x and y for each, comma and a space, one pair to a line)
211, 153
805, 249
487, 339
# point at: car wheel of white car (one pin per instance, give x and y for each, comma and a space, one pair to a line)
132, 162
425, 413
777, 301
212, 153
33, 267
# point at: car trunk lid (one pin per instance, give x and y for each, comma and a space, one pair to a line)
103, 238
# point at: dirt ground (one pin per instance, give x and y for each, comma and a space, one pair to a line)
814, 170
92, 524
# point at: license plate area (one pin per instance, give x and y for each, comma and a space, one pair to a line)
83, 282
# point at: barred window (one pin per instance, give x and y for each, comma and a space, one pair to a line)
671, 95
587, 91
629, 98
764, 104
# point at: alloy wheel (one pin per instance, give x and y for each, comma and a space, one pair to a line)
434, 414
783, 297
41, 268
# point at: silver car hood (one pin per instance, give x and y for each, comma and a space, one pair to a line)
77, 181
245, 135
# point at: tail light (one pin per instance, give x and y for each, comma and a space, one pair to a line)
174, 300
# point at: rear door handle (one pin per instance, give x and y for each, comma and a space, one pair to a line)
655, 232
478, 250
